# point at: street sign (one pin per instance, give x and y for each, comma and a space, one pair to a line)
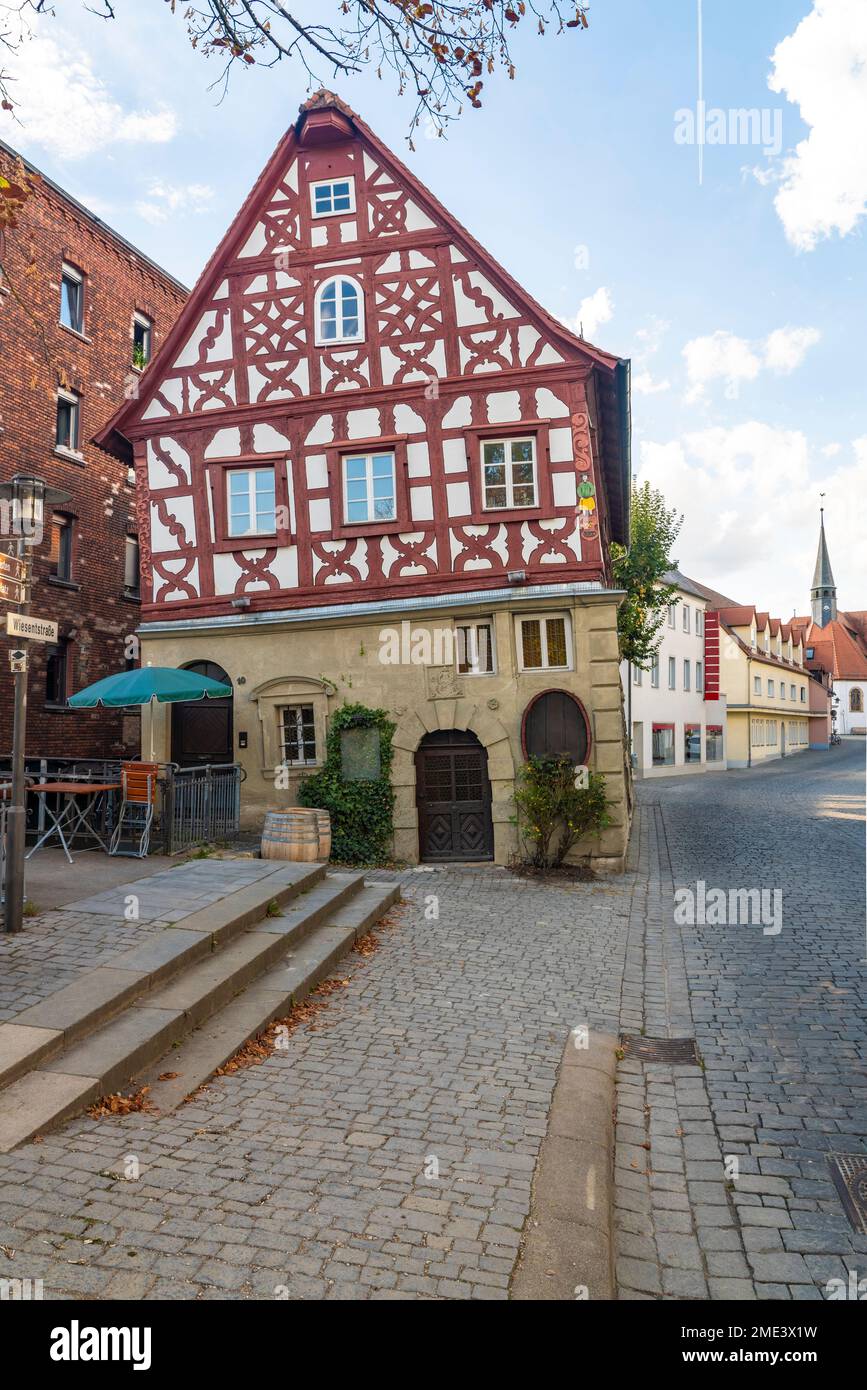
10, 591
12, 568
37, 629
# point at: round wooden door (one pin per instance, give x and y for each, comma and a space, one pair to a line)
202, 729
453, 795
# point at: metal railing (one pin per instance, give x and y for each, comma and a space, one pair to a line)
202, 804
195, 805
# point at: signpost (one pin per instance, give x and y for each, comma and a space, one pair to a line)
29, 497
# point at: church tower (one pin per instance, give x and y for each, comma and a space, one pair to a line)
823, 594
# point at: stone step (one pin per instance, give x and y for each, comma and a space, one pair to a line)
216, 1004
310, 961
101, 994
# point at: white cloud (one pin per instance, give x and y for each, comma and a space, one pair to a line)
786, 348
822, 68
165, 200
65, 108
722, 356
645, 385
719, 355
593, 311
750, 498
831, 451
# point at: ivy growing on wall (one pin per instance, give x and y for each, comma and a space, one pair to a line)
361, 810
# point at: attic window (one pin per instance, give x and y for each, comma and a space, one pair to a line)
331, 196
142, 332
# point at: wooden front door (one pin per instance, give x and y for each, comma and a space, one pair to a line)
453, 796
202, 729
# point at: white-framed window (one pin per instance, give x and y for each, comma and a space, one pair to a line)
68, 420
770, 687
699, 674
792, 693
250, 502
339, 311
636, 675
686, 617
803, 694
297, 735
671, 614
142, 340
475, 648
782, 690
686, 673
757, 685
328, 196
699, 623
654, 671
672, 673
544, 644
72, 298
509, 473
369, 492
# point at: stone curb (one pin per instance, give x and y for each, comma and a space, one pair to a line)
567, 1243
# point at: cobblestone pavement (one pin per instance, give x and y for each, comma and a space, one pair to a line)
388, 1151
315, 1173
780, 1025
58, 946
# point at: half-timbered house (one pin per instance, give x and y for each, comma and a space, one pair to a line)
371, 468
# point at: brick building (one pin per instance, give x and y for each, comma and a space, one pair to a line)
81, 312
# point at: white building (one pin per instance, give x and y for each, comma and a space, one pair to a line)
675, 728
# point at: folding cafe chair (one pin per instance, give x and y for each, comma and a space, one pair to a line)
135, 817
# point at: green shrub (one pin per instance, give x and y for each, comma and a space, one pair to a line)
553, 813
362, 812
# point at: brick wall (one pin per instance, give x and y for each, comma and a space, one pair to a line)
37, 353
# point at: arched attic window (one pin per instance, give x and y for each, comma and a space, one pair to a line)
339, 311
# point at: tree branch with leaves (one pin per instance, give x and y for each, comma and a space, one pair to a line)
641, 571
440, 53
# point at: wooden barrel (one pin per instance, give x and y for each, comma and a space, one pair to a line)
292, 834
323, 820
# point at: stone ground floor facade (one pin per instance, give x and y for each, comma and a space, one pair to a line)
476, 680
311, 1175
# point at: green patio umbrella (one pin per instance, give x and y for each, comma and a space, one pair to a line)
147, 684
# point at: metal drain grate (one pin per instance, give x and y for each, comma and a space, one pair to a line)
671, 1051
849, 1172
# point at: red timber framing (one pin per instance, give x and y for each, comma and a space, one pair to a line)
453, 352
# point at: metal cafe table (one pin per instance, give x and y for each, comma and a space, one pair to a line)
71, 818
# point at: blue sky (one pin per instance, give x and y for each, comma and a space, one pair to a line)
740, 300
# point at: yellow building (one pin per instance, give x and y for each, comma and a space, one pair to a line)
762, 675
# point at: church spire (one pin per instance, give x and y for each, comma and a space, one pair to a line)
823, 594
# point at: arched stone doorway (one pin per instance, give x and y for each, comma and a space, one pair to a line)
202, 729
453, 796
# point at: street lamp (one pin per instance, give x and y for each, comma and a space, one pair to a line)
23, 523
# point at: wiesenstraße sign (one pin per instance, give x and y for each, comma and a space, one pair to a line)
37, 629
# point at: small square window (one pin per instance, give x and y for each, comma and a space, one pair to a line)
475, 649
297, 735
369, 490
543, 644
251, 502
509, 473
72, 298
332, 196
67, 427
